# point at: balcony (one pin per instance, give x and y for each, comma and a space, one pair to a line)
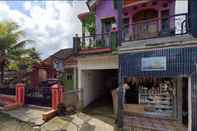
156, 28
99, 43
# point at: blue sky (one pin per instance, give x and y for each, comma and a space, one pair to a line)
19, 5
52, 24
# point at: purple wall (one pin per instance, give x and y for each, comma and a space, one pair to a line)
104, 9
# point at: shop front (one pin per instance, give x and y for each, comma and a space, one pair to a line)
162, 84
155, 96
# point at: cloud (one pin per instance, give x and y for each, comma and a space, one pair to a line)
27, 5
181, 6
51, 26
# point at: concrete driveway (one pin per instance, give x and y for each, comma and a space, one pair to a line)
26, 119
77, 122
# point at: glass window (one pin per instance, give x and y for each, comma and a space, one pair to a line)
69, 76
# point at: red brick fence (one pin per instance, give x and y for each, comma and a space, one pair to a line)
12, 102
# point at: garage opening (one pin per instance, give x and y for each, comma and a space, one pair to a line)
97, 90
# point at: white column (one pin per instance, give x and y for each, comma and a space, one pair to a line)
75, 78
189, 104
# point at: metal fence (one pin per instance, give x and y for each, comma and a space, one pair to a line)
8, 91
96, 41
38, 96
159, 27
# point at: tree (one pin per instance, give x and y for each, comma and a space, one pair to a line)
12, 46
90, 23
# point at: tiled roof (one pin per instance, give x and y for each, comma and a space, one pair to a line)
63, 53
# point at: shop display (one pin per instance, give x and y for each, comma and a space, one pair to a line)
157, 95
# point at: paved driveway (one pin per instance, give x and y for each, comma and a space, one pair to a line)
77, 122
32, 117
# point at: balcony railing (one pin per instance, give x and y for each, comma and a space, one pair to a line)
160, 27
96, 43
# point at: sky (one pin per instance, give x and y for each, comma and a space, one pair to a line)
52, 24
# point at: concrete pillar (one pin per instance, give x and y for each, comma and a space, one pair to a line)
80, 95
20, 94
75, 77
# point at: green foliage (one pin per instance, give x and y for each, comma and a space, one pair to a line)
90, 23
13, 50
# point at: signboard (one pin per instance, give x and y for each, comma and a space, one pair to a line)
153, 63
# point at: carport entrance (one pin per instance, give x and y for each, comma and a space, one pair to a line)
97, 90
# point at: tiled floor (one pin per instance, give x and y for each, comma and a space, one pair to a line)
138, 123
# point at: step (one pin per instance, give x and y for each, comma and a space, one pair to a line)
39, 107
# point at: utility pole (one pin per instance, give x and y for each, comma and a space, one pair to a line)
120, 115
192, 12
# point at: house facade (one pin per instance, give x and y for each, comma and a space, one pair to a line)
61, 65
97, 53
156, 54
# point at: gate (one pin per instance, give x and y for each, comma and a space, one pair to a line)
38, 96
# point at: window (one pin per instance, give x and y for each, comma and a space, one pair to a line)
69, 76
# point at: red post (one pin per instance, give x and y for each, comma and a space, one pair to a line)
20, 94
57, 96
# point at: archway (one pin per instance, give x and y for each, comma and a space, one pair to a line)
145, 24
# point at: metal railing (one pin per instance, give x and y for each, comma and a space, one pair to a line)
8, 91
38, 96
95, 41
159, 27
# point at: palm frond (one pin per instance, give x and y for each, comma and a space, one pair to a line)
22, 44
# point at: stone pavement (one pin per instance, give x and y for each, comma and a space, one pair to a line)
8, 123
77, 122
28, 114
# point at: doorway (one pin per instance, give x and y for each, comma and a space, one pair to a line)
106, 30
185, 102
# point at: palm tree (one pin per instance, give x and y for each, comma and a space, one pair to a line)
12, 47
